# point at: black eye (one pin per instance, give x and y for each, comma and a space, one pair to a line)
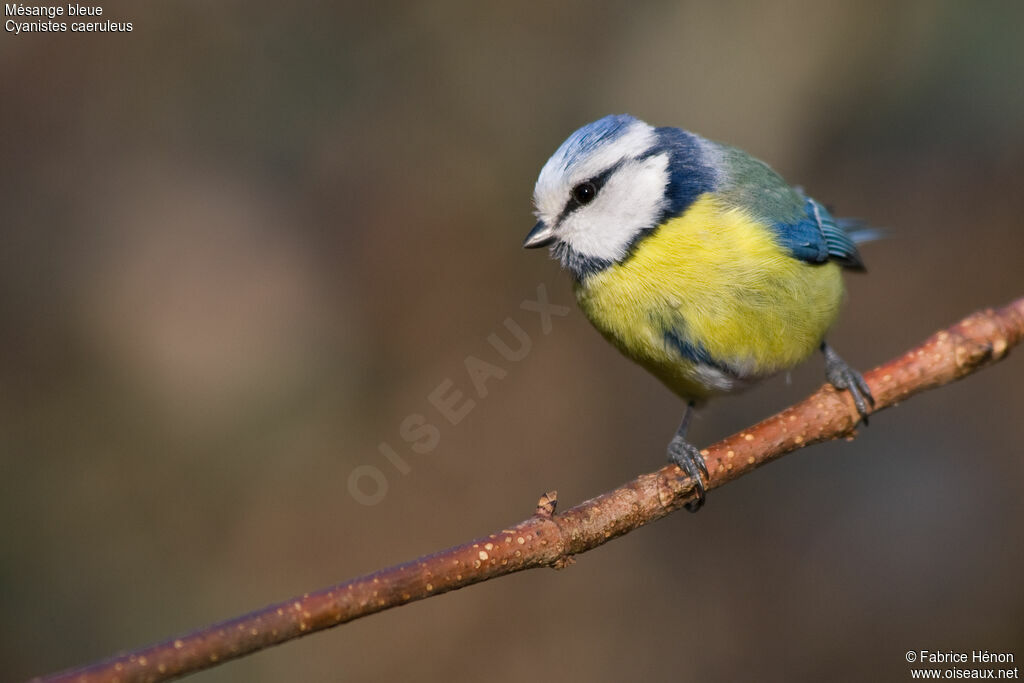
584, 193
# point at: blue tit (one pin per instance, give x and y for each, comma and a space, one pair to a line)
695, 260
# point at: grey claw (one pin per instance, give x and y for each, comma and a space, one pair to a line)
863, 386
842, 376
687, 457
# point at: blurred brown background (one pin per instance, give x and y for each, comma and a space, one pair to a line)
239, 245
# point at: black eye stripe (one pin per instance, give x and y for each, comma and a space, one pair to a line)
597, 182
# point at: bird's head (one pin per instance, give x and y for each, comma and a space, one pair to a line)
609, 184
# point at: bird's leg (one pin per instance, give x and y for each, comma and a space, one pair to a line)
687, 457
842, 376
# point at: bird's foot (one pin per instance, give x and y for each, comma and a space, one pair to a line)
842, 376
687, 457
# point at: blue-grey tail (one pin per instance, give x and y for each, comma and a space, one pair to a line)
855, 231
859, 231
817, 237
837, 238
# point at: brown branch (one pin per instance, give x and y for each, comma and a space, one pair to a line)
550, 540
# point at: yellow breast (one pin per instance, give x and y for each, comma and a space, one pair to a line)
717, 278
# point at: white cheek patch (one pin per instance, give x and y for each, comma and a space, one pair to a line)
632, 200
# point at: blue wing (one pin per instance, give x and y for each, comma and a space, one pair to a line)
818, 237
803, 227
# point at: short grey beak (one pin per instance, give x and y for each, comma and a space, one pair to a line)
540, 236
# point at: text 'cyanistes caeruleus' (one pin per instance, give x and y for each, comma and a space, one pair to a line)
696, 260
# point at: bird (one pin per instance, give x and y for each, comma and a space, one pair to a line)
697, 261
